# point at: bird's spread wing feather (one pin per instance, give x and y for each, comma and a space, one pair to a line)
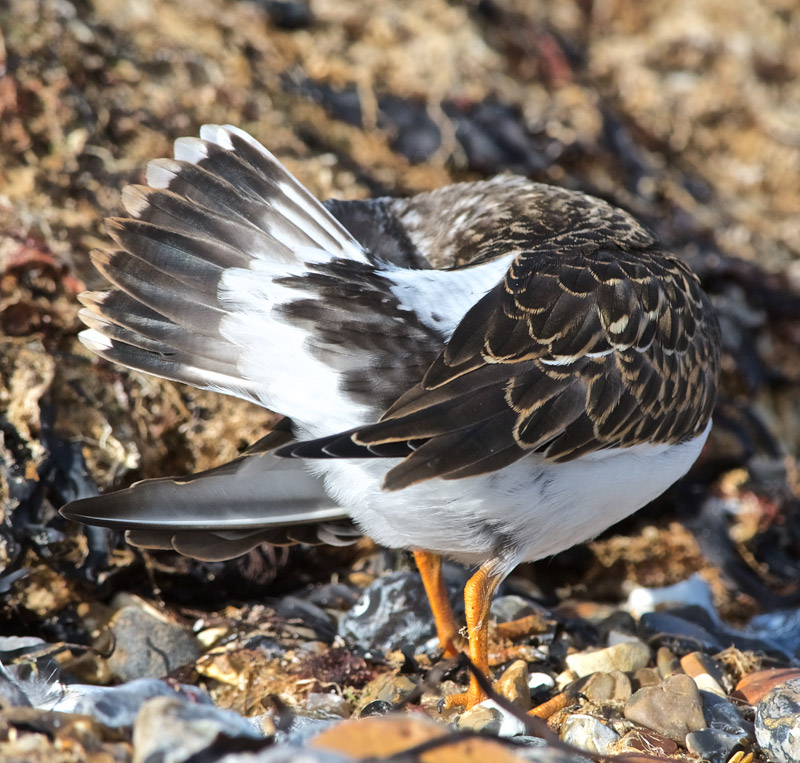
572, 352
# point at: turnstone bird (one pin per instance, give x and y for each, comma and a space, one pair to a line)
490, 372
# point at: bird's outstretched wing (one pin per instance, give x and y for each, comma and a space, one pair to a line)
576, 350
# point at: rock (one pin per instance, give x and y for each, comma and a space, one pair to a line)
326, 705
169, 728
648, 742
707, 673
288, 14
692, 591
488, 718
118, 706
673, 708
755, 686
602, 687
589, 733
507, 608
391, 735
302, 619
11, 695
668, 664
391, 613
678, 632
389, 688
646, 677
780, 627
723, 715
147, 644
627, 657
778, 722
713, 745
514, 685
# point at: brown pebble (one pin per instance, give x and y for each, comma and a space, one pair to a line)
392, 735
522, 627
648, 741
602, 687
668, 664
696, 664
513, 685
672, 708
754, 687
646, 677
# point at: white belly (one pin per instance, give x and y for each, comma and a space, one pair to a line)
527, 511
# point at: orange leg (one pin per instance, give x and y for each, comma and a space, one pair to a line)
430, 568
477, 599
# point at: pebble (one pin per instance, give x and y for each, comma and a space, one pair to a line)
300, 618
118, 706
679, 632
512, 607
707, 673
513, 684
648, 742
171, 729
668, 664
646, 677
11, 695
692, 591
755, 686
602, 687
673, 708
489, 718
392, 612
628, 656
713, 745
148, 645
778, 722
389, 688
389, 736
723, 715
327, 705
781, 628
589, 734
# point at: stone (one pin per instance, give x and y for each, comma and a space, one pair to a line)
589, 733
389, 688
755, 686
649, 742
391, 613
488, 718
389, 736
707, 673
723, 715
327, 705
666, 661
679, 632
169, 728
513, 684
147, 644
713, 745
602, 687
673, 708
118, 706
692, 591
778, 722
646, 677
628, 657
